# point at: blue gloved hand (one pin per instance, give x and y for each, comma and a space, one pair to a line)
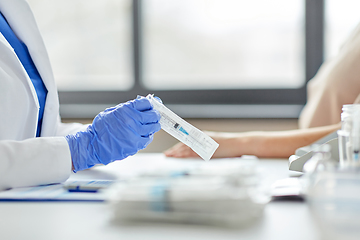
115, 134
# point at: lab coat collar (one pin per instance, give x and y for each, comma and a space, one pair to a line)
22, 22
20, 18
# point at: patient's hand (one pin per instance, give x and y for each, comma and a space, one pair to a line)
180, 150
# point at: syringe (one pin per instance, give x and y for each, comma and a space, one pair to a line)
177, 127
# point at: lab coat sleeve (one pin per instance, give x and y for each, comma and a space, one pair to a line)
70, 128
34, 161
64, 129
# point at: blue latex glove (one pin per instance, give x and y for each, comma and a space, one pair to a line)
115, 134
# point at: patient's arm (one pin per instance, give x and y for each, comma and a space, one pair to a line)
276, 144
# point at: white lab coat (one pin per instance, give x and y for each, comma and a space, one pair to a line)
24, 159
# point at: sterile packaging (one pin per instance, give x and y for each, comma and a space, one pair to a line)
171, 123
232, 196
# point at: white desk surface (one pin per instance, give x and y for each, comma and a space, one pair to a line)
69, 220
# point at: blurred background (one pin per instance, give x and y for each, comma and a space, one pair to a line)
225, 65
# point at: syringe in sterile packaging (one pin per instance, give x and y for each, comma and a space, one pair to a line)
177, 127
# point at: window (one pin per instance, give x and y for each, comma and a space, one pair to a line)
89, 42
341, 19
191, 53
223, 44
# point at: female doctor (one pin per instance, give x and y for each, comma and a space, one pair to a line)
35, 147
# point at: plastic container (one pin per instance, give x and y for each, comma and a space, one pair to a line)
349, 136
334, 201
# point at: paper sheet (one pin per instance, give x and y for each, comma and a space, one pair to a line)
55, 192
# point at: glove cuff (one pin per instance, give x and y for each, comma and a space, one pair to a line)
80, 154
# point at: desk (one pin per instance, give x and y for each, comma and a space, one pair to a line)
68, 220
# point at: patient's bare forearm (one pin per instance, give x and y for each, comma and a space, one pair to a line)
282, 144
